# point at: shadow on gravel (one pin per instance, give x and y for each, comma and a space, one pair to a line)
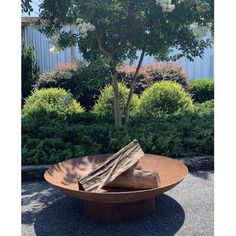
202, 174
65, 217
40, 196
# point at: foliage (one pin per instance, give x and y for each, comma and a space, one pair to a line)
168, 71
160, 25
84, 81
164, 98
81, 79
152, 26
104, 105
29, 71
26, 6
202, 89
152, 73
204, 108
51, 100
48, 138
125, 75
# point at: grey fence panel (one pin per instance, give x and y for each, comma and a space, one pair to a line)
47, 61
199, 68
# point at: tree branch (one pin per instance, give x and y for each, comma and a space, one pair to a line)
131, 91
101, 46
125, 34
119, 47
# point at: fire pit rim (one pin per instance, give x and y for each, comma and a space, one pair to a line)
123, 192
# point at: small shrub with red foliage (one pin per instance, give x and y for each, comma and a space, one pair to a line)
125, 74
151, 74
169, 71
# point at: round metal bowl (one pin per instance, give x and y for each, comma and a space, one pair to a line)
115, 204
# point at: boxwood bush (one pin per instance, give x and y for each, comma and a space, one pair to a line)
164, 98
202, 89
55, 100
105, 104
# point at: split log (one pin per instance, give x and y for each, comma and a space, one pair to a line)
112, 167
136, 180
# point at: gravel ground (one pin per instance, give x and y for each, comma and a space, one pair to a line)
186, 210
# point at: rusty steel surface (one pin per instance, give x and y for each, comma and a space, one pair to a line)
115, 205
119, 212
63, 176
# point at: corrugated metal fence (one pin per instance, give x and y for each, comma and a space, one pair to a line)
47, 60
199, 68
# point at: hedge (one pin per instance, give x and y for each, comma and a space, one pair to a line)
47, 138
201, 90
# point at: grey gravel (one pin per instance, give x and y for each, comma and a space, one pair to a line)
187, 209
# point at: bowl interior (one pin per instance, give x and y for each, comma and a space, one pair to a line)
64, 174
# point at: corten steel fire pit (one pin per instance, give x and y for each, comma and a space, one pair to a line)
113, 205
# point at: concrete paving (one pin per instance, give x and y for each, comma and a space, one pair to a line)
186, 210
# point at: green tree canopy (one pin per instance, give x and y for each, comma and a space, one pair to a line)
120, 28
26, 6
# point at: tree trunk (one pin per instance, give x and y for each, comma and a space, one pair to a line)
112, 61
117, 110
131, 91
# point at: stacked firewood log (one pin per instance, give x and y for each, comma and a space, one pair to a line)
120, 171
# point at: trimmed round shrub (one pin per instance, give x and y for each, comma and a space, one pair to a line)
105, 104
52, 100
202, 89
164, 98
